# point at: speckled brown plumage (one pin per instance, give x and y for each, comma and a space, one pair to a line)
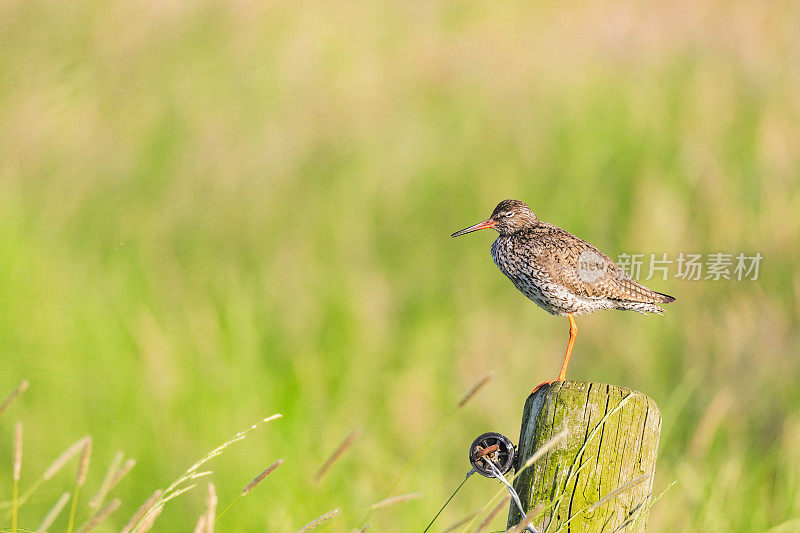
561, 273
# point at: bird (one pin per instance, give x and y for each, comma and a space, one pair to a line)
559, 272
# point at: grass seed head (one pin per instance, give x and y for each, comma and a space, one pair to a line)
499, 507
148, 521
259, 478
402, 498
475, 389
101, 515
457, 525
105, 486
346, 444
83, 464
141, 511
64, 458
22, 387
54, 512
319, 520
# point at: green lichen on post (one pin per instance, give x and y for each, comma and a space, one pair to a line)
611, 440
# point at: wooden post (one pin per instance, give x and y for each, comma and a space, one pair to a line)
608, 453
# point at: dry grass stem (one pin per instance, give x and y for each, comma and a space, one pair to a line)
101, 515
83, 464
527, 519
122, 472
55, 467
80, 479
53, 513
172, 491
64, 458
149, 519
175, 494
17, 472
543, 449
319, 520
346, 444
207, 458
710, 422
475, 389
457, 525
17, 451
217, 451
22, 387
616, 492
499, 507
141, 511
258, 479
105, 486
206, 522
402, 498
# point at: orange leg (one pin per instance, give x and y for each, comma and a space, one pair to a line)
573, 332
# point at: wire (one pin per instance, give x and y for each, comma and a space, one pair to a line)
499, 475
448, 500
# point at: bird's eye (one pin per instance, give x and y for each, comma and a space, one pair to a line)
508, 214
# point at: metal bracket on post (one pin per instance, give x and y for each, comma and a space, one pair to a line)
492, 448
492, 455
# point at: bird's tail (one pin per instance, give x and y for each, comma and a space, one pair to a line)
666, 298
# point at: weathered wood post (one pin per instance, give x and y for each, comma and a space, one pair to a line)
607, 455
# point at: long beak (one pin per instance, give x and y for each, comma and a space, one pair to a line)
490, 223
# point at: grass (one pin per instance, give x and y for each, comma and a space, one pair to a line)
209, 211
147, 513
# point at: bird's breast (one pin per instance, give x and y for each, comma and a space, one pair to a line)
518, 262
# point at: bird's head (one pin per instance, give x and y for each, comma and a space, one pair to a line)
510, 216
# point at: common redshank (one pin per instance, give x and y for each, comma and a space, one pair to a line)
561, 273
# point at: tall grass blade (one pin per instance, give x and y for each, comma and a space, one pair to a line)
51, 516
526, 520
80, 479
172, 491
100, 516
17, 473
149, 519
206, 522
105, 486
141, 511
22, 387
452, 527
488, 520
394, 500
616, 492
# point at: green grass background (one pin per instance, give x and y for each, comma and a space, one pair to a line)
214, 211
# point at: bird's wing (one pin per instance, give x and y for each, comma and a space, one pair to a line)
583, 269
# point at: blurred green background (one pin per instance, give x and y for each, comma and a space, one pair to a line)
214, 211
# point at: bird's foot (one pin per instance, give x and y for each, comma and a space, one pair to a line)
544, 384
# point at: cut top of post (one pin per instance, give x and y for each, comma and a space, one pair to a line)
601, 472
